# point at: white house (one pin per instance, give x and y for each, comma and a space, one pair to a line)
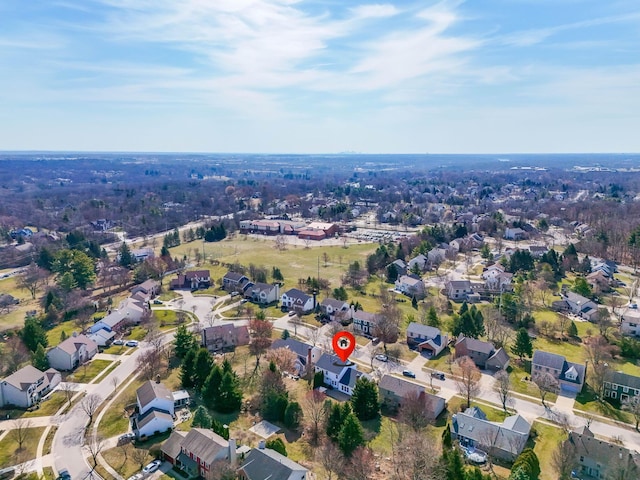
72, 352
410, 286
458, 289
155, 409
27, 386
630, 323
297, 300
103, 338
263, 293
426, 339
335, 309
337, 375
514, 234
364, 322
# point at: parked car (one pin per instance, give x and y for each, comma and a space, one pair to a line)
64, 475
381, 357
292, 313
132, 343
408, 373
137, 476
118, 342
152, 467
375, 340
157, 302
438, 375
126, 438
633, 306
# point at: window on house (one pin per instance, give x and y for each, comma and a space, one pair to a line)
625, 389
607, 384
581, 458
614, 395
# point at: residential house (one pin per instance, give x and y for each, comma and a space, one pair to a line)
337, 374
394, 391
130, 312
570, 376
436, 256
141, 254
266, 464
458, 289
400, 266
483, 354
515, 234
537, 251
156, 409
621, 386
262, 293
226, 337
103, 338
27, 386
630, 323
181, 398
419, 261
102, 224
297, 300
496, 279
150, 288
426, 339
504, 440
198, 451
72, 352
411, 286
336, 310
597, 458
599, 282
307, 355
364, 323
234, 281
192, 280
579, 305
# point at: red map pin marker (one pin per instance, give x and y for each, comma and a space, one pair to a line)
344, 343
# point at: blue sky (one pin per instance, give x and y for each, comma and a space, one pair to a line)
485, 76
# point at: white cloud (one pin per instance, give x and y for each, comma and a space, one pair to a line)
377, 10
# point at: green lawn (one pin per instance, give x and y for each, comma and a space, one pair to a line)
116, 349
48, 473
137, 333
546, 441
53, 335
517, 373
48, 407
114, 422
168, 295
9, 453
494, 414
49, 441
586, 402
85, 374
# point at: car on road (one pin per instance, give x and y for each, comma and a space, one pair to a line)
157, 302
633, 306
408, 373
64, 475
152, 467
132, 343
292, 313
381, 357
438, 375
118, 342
126, 438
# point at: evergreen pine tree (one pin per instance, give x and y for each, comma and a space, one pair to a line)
33, 334
572, 331
202, 367
211, 388
292, 415
278, 445
126, 259
63, 336
447, 442
351, 435
523, 345
285, 334
201, 418
454, 465
230, 395
334, 421
187, 369
39, 359
432, 317
183, 341
365, 399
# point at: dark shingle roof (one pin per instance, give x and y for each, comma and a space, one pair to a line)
476, 345
149, 391
267, 464
204, 443
547, 359
623, 379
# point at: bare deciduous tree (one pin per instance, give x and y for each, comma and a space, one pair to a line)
315, 415
563, 460
546, 384
330, 457
95, 445
599, 354
414, 411
90, 404
632, 405
415, 457
31, 279
140, 456
21, 431
502, 387
284, 359
467, 378
360, 465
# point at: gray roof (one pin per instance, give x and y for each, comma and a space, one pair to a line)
331, 363
399, 386
575, 298
298, 295
364, 316
24, 378
336, 304
149, 391
150, 415
267, 464
296, 346
234, 276
74, 343
460, 284
602, 452
547, 359
500, 357
424, 331
476, 345
204, 443
262, 287
623, 379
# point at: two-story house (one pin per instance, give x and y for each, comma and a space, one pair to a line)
419, 261
579, 305
597, 458
130, 312
72, 352
156, 409
504, 440
306, 354
234, 281
336, 310
411, 286
458, 289
264, 464
426, 339
483, 354
621, 386
570, 376
262, 293
27, 386
192, 280
395, 391
198, 451
630, 323
150, 288
296, 300
400, 267
226, 336
364, 323
338, 375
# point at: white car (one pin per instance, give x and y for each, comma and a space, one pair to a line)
137, 476
382, 358
132, 343
152, 467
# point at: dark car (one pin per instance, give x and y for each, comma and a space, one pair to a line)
64, 475
126, 438
408, 373
438, 375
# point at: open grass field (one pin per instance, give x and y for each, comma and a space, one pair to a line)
546, 442
15, 317
86, 374
9, 453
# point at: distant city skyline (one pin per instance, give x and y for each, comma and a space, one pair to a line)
296, 76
